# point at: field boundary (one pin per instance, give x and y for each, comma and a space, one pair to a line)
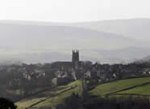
140, 85
131, 94
36, 93
50, 97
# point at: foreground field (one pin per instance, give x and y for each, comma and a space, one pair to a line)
143, 90
51, 97
137, 85
120, 88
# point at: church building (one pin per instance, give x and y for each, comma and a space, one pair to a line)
68, 64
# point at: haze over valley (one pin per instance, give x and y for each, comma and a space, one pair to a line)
116, 41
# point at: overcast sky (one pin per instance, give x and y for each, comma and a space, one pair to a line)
73, 10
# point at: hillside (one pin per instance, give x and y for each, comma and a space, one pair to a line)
143, 90
131, 86
132, 28
33, 42
145, 59
51, 97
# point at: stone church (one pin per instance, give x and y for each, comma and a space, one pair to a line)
75, 63
65, 71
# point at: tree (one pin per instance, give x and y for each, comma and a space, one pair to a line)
7, 104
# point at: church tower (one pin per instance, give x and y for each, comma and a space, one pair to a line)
75, 58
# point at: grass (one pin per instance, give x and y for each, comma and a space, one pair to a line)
52, 97
52, 101
107, 88
56, 96
144, 90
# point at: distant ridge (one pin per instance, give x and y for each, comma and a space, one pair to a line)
131, 28
143, 60
103, 41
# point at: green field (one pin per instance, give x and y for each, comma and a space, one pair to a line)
119, 85
144, 90
51, 97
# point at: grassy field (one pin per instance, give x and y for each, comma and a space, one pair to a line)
144, 90
51, 97
52, 101
119, 85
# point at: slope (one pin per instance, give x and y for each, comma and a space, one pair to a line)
119, 86
132, 28
51, 97
32, 43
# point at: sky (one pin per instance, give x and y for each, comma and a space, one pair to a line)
73, 10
